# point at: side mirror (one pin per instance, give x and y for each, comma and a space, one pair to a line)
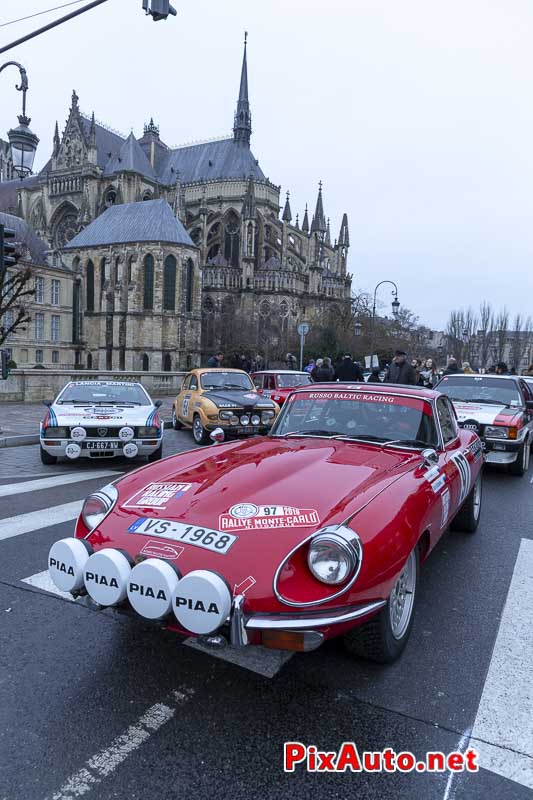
431, 457
158, 403
47, 403
217, 436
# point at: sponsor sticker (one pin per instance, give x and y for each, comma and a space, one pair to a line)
438, 484
251, 396
249, 517
208, 539
157, 495
445, 500
169, 552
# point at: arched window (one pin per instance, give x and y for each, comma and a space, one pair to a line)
148, 282
169, 284
90, 286
89, 360
189, 284
102, 272
232, 239
167, 362
146, 363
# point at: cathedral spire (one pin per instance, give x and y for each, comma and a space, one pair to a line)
344, 235
242, 127
92, 132
305, 223
287, 213
328, 234
319, 220
57, 141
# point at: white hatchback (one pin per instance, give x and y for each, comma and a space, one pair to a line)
100, 420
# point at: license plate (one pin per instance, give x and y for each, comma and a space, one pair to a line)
248, 429
208, 539
102, 445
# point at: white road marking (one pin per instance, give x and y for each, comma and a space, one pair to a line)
42, 580
258, 659
54, 481
503, 729
461, 747
104, 763
35, 520
263, 660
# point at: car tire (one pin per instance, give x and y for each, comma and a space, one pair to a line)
176, 424
199, 433
157, 455
382, 639
46, 458
467, 518
521, 465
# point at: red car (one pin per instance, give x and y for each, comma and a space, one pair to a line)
277, 384
314, 531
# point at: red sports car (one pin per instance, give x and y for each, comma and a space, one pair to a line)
314, 531
279, 383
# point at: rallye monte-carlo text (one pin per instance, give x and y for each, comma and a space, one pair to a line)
213, 398
499, 408
101, 419
314, 531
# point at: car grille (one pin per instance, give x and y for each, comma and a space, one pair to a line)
112, 432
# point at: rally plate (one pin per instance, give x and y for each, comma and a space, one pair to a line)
208, 539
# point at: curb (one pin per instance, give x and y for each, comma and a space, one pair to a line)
33, 438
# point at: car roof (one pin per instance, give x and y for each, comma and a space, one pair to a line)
377, 388
201, 370
489, 375
280, 372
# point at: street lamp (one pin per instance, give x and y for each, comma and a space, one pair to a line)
22, 140
395, 310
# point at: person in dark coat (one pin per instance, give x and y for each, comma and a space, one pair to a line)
400, 371
348, 370
374, 376
215, 361
453, 367
324, 373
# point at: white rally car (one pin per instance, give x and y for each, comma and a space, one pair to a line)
499, 408
101, 419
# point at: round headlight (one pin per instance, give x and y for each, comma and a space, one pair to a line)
98, 505
226, 414
266, 417
256, 419
245, 419
234, 420
334, 556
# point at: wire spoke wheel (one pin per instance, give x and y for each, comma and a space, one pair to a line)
402, 598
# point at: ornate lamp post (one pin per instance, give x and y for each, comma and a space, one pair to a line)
395, 310
22, 140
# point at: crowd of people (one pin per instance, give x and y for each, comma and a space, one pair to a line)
414, 372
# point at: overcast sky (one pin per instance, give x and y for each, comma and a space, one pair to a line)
416, 115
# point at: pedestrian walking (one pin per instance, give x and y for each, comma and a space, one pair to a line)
452, 367
429, 373
501, 368
324, 372
374, 376
310, 365
290, 361
467, 369
400, 371
348, 370
215, 360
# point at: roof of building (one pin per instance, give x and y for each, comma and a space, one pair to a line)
131, 158
145, 221
9, 191
224, 158
34, 248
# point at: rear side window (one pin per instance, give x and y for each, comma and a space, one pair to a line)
186, 382
194, 383
447, 420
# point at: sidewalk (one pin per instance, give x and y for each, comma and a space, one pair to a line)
19, 422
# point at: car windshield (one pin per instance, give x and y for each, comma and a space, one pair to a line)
104, 394
478, 389
288, 381
377, 418
227, 380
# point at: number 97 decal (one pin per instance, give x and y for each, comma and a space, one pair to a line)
465, 475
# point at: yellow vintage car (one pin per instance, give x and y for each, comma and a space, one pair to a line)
221, 398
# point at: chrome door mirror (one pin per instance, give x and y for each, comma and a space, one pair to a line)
217, 437
431, 457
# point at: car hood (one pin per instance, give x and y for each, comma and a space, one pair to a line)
233, 398
66, 414
483, 413
311, 483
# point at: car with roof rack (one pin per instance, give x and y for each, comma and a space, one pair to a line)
317, 530
499, 408
101, 420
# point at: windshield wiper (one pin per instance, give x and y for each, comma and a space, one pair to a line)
236, 386
329, 434
407, 443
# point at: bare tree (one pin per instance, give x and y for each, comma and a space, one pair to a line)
522, 335
15, 289
485, 333
500, 334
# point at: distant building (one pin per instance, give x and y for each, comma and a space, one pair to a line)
242, 275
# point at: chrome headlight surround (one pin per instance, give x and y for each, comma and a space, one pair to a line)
56, 432
334, 545
497, 431
349, 537
226, 415
97, 506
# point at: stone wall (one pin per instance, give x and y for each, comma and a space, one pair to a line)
34, 385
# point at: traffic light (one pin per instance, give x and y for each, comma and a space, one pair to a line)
159, 9
8, 254
5, 362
